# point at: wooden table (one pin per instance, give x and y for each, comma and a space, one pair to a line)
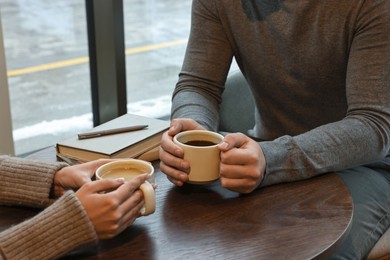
301, 220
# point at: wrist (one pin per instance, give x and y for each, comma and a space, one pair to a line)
56, 188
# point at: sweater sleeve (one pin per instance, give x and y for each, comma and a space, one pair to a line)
26, 182
206, 64
362, 137
55, 231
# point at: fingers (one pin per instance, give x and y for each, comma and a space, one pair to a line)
130, 201
174, 175
244, 186
175, 168
237, 172
183, 124
236, 150
171, 155
92, 165
130, 210
103, 185
240, 178
167, 146
171, 159
126, 190
239, 156
118, 208
243, 163
231, 141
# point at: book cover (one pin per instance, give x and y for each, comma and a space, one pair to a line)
121, 145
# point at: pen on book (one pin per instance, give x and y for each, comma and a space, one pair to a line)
111, 131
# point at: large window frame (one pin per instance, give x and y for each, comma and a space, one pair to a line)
107, 59
6, 138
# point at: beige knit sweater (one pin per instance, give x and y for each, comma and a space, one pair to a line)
61, 227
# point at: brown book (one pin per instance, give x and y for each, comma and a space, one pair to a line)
141, 143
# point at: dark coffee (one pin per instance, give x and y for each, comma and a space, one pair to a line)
200, 143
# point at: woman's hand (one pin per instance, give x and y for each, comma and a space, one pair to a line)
73, 177
116, 209
243, 163
171, 155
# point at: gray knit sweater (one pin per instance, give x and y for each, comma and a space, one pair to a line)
319, 72
58, 229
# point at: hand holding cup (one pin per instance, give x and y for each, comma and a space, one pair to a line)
129, 169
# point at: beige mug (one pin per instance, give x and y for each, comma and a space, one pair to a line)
201, 151
129, 169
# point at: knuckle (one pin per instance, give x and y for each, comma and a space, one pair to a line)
223, 182
87, 186
112, 204
116, 216
113, 229
222, 170
252, 158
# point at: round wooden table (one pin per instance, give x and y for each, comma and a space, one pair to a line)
300, 220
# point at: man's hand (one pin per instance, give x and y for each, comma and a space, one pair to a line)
171, 155
243, 163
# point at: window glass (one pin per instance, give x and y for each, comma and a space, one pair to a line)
48, 72
46, 48
156, 33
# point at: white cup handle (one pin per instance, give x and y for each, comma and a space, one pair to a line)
149, 197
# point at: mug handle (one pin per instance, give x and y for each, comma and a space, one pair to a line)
149, 197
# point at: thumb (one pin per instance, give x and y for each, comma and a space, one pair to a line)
106, 185
231, 141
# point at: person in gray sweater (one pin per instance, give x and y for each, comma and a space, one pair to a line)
77, 213
319, 72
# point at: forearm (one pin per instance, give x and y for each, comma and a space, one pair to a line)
362, 136
57, 230
328, 148
26, 182
206, 64
195, 106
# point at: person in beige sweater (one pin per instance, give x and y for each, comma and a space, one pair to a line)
77, 212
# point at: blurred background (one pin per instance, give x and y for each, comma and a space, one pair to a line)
46, 50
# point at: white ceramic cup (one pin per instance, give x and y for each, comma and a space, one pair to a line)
129, 169
201, 151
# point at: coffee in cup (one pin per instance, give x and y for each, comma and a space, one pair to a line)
128, 169
201, 151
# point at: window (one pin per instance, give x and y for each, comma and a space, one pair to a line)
156, 33
46, 48
48, 74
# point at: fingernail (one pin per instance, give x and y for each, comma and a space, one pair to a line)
185, 165
223, 145
178, 153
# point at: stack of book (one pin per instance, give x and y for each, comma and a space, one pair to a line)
112, 140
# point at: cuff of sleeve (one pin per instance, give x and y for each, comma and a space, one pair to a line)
279, 168
26, 182
57, 230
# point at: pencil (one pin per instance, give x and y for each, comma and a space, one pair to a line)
111, 131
